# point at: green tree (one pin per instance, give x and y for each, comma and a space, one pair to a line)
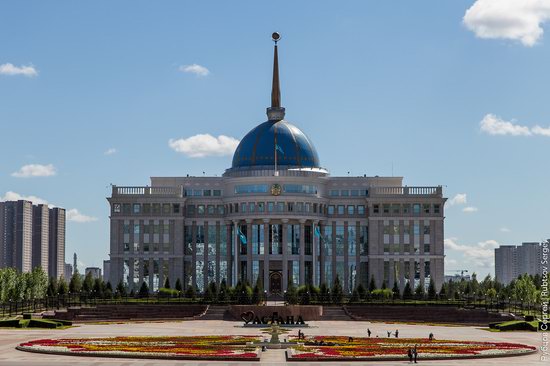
179, 287
256, 294
8, 278
52, 287
75, 285
223, 294
354, 298
88, 284
337, 291
62, 287
407, 291
324, 292
121, 289
395, 290
190, 293
291, 294
38, 283
361, 291
443, 292
97, 288
431, 290
144, 290
166, 283
372, 284
419, 291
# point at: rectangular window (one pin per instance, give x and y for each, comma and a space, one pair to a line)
360, 210
270, 206
188, 239
136, 208
217, 192
136, 229
190, 210
406, 230
351, 210
126, 208
334, 192
341, 209
364, 239
299, 207
258, 239
280, 206
166, 208
308, 240
197, 192
344, 193
200, 209
211, 240
207, 192
395, 229
211, 209
199, 239
426, 229
293, 239
275, 238
126, 228
156, 208
339, 239
251, 207
426, 208
416, 208
299, 188
416, 229
437, 208
146, 208
116, 207
261, 207
352, 241
243, 207
176, 208
251, 188
386, 208
406, 208
376, 209
395, 208
387, 229
327, 240
354, 193
220, 209
331, 210
427, 248
308, 207
290, 206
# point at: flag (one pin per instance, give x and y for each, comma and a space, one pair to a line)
278, 148
241, 236
317, 231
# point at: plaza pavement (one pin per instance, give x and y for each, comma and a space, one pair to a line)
9, 338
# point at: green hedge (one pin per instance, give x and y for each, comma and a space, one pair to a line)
515, 325
10, 323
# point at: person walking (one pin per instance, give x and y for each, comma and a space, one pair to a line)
397, 333
368, 332
389, 334
415, 353
431, 336
410, 355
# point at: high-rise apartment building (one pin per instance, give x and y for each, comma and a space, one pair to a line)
512, 261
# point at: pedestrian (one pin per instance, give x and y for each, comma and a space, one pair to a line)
350, 339
415, 353
397, 333
389, 334
410, 355
431, 336
368, 332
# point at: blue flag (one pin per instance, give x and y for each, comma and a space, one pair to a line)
317, 231
278, 148
241, 236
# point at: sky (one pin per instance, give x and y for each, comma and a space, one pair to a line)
451, 93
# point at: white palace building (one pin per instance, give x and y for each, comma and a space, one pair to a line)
276, 216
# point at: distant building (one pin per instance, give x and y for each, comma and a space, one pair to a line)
32, 236
512, 261
68, 272
107, 271
95, 271
457, 278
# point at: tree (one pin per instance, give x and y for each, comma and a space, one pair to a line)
395, 290
62, 287
190, 293
324, 292
88, 284
52, 287
372, 284
121, 289
75, 285
337, 291
431, 290
38, 283
97, 288
361, 291
179, 287
419, 291
443, 292
223, 294
354, 296
407, 291
144, 290
491, 293
256, 297
108, 293
291, 294
167, 283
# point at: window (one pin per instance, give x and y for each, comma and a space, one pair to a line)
236, 207
354, 192
116, 207
426, 248
351, 210
197, 192
217, 192
361, 210
299, 188
341, 209
387, 229
207, 192
176, 208
376, 209
416, 229
126, 208
299, 207
395, 229
406, 208
251, 188
395, 208
308, 207
416, 208
126, 228
426, 208
221, 210
270, 206
426, 229
261, 207
156, 208
243, 207
166, 208
280, 206
344, 193
290, 207
406, 230
437, 208
211, 209
136, 229
190, 210
136, 208
251, 207
331, 210
334, 192
146, 208
386, 208
200, 209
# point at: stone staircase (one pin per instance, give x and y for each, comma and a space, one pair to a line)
334, 313
216, 312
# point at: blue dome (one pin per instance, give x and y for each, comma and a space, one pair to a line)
257, 148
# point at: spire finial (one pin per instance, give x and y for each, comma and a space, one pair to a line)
275, 112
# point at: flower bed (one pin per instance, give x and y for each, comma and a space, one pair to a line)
196, 348
362, 349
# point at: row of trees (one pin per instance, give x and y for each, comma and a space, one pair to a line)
15, 286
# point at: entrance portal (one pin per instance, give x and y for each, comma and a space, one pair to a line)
275, 281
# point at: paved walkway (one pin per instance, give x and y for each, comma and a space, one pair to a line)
10, 338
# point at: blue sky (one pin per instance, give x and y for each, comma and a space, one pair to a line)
448, 92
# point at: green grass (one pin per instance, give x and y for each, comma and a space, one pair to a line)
35, 323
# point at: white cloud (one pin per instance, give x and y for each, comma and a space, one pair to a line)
480, 254
202, 145
504, 229
196, 69
470, 209
110, 151
11, 69
494, 125
35, 170
13, 196
518, 20
449, 261
74, 215
458, 199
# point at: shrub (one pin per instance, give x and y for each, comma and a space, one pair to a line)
168, 292
42, 323
10, 323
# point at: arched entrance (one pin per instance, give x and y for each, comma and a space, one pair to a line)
275, 282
